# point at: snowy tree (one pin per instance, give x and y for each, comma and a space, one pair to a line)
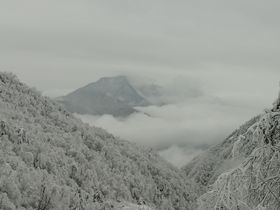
255, 184
49, 160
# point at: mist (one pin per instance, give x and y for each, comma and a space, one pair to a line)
184, 127
225, 54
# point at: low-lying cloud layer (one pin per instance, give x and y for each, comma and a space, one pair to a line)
179, 130
179, 156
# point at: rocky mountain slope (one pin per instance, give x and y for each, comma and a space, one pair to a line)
49, 160
243, 172
109, 95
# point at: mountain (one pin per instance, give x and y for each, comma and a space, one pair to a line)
109, 95
243, 171
51, 161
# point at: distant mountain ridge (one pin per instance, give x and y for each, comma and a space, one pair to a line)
109, 95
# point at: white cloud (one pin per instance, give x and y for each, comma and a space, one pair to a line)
179, 156
53, 93
183, 128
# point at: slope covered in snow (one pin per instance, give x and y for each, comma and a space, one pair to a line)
244, 171
205, 168
49, 160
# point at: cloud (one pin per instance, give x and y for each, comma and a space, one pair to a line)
179, 130
53, 93
179, 156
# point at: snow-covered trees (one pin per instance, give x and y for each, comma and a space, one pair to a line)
254, 184
50, 160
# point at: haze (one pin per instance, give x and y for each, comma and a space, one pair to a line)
228, 50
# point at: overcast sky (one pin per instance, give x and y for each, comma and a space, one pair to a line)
230, 46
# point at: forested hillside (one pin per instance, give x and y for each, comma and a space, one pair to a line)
205, 168
49, 160
242, 173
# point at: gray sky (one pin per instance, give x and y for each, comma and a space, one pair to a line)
63, 44
229, 49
